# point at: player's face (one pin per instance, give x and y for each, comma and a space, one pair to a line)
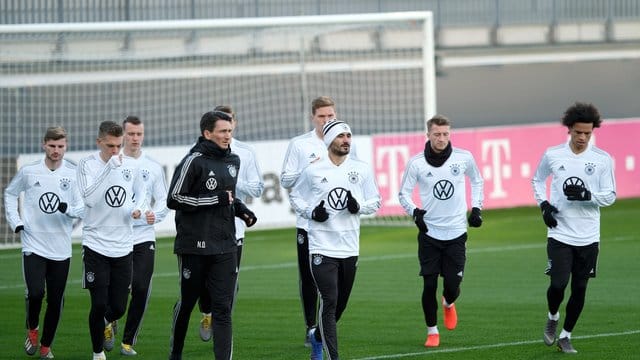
341, 145
580, 136
439, 137
221, 134
133, 138
321, 117
54, 149
109, 145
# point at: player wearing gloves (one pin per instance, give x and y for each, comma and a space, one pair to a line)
439, 172
203, 193
582, 181
332, 193
107, 183
51, 203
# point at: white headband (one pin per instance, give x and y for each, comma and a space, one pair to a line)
332, 129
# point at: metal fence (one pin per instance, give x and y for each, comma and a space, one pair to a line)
447, 12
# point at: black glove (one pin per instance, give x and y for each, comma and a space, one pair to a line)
352, 204
320, 214
475, 218
248, 217
577, 192
18, 229
62, 207
418, 218
547, 214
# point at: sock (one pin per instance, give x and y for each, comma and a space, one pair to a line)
206, 314
445, 303
555, 317
564, 334
432, 330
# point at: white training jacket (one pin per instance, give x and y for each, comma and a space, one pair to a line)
339, 236
250, 184
47, 231
442, 192
108, 190
578, 221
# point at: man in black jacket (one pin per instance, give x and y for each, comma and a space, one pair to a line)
202, 192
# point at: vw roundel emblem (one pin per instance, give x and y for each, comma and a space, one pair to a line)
443, 190
211, 183
115, 196
573, 180
49, 202
337, 198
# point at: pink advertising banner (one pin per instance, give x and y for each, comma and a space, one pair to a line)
507, 158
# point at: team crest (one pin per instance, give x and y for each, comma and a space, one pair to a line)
211, 183
300, 239
126, 174
232, 170
317, 259
90, 277
455, 169
145, 174
186, 273
589, 168
353, 177
65, 183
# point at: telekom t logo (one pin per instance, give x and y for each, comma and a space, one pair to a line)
496, 153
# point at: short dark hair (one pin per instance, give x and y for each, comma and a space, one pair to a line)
110, 128
227, 109
439, 120
131, 119
54, 133
322, 101
208, 120
582, 113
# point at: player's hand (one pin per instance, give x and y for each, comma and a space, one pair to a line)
18, 229
547, 214
352, 204
249, 218
320, 214
150, 217
577, 192
418, 219
115, 161
62, 207
136, 214
475, 218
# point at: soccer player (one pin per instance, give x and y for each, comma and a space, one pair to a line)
332, 193
51, 203
144, 238
582, 181
249, 185
302, 151
203, 193
440, 173
107, 184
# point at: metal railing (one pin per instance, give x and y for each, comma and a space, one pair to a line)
447, 12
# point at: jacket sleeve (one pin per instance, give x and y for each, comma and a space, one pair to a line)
606, 194
372, 199
11, 195
291, 168
477, 183
409, 180
251, 182
539, 180
297, 197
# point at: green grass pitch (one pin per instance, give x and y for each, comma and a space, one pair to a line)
502, 308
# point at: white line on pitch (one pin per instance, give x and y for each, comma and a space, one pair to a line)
490, 346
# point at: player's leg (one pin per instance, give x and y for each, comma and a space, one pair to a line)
221, 279
559, 264
325, 272
190, 268
33, 270
96, 272
143, 263
57, 274
346, 278
430, 258
453, 261
308, 290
